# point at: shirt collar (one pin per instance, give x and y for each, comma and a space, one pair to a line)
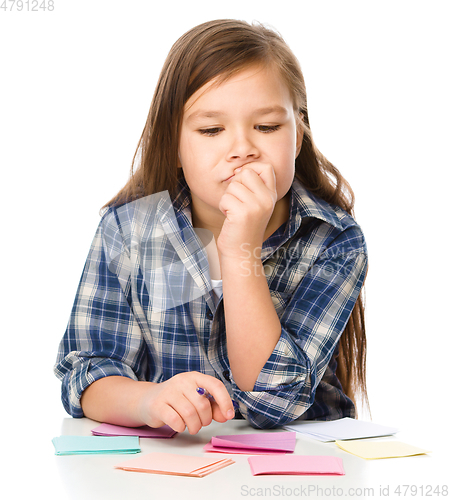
303, 204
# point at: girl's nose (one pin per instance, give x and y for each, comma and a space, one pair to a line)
243, 148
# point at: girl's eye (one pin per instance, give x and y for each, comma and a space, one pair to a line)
266, 129
210, 132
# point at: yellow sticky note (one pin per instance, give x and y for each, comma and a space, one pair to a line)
371, 450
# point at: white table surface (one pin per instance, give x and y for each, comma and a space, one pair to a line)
90, 477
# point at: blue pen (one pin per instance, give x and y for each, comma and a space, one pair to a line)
204, 392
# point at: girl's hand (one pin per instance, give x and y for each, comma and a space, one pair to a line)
247, 204
176, 403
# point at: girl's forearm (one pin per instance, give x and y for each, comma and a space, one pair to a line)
115, 400
252, 324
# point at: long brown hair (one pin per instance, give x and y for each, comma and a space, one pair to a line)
218, 50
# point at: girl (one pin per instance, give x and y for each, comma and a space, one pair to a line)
260, 304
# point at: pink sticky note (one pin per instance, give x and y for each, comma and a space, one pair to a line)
240, 451
296, 464
144, 431
262, 442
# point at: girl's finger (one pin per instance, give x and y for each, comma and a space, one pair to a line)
172, 418
217, 415
188, 412
265, 172
219, 394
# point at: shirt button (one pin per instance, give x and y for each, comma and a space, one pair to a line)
209, 315
226, 375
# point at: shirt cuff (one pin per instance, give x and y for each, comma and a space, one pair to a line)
283, 390
84, 372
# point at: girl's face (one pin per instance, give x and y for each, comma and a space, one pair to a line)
248, 118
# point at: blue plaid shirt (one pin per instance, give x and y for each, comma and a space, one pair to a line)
145, 307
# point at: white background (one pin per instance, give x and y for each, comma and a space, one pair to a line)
76, 85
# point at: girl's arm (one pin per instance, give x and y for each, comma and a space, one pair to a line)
316, 282
115, 400
252, 324
253, 327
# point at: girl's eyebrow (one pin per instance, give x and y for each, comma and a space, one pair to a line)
281, 110
205, 114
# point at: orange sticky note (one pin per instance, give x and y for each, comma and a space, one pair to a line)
177, 465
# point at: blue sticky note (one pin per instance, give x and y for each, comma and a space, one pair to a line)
91, 445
